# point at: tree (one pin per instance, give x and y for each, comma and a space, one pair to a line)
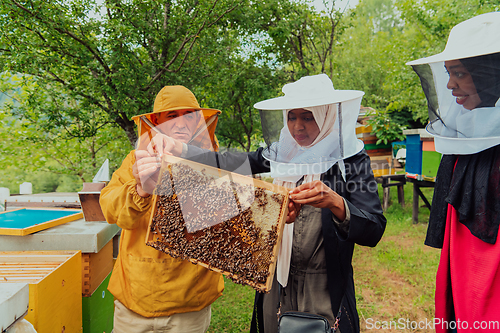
76, 79
427, 25
279, 41
44, 142
375, 48
302, 39
239, 124
381, 36
110, 68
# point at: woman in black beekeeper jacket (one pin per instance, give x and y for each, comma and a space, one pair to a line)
340, 201
462, 87
317, 155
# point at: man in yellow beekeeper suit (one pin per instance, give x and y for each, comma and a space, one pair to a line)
153, 291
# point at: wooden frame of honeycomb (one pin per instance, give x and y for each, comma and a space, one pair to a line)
221, 220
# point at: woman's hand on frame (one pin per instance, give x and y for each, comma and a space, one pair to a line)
317, 194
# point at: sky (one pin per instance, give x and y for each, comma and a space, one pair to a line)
341, 4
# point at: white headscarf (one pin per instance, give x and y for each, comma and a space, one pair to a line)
336, 141
335, 112
309, 159
312, 160
308, 162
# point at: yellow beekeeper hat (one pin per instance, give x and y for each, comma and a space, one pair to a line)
171, 98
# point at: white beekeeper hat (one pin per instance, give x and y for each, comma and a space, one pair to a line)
308, 91
458, 129
312, 93
479, 35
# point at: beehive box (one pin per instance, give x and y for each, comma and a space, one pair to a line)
25, 221
14, 303
89, 199
381, 166
95, 268
380, 154
55, 284
221, 220
422, 160
98, 309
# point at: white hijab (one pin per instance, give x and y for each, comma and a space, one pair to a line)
336, 141
294, 162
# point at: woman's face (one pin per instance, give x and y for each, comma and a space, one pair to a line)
178, 124
302, 126
461, 84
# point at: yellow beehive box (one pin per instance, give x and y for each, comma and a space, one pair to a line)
382, 166
55, 287
221, 220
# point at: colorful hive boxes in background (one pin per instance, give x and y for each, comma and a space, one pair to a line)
380, 154
94, 241
97, 301
422, 160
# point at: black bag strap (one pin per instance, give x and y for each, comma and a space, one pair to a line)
256, 326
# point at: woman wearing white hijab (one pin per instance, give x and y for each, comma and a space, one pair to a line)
462, 86
313, 150
320, 158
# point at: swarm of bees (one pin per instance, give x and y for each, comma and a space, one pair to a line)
221, 224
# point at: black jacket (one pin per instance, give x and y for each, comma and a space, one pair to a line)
366, 227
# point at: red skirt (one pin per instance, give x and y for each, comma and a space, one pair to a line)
468, 281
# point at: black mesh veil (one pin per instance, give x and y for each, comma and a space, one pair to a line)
424, 72
485, 72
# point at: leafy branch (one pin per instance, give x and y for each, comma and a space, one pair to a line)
385, 128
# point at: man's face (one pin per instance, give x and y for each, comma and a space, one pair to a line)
178, 124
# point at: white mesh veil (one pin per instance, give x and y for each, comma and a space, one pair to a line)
462, 87
340, 109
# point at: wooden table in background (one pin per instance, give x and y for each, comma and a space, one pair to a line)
387, 182
417, 184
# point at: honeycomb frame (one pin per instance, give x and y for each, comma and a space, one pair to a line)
243, 247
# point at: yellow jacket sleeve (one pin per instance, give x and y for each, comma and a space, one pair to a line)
119, 200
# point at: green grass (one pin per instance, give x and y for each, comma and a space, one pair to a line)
393, 280
232, 312
396, 279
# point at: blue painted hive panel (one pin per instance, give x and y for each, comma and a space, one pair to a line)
24, 218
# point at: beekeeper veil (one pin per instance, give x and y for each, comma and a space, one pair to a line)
334, 111
307, 131
462, 87
177, 114
195, 127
